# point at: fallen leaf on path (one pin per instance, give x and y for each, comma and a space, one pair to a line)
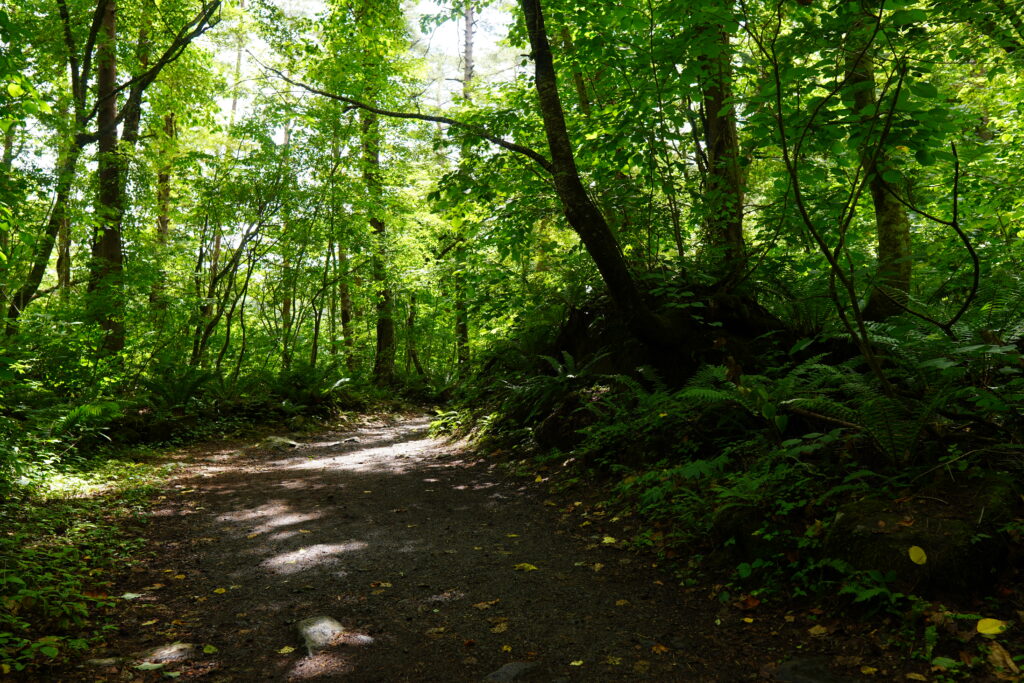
434, 631
578, 662
789, 618
991, 627
512, 535
818, 631
305, 531
253, 535
868, 670
917, 554
642, 666
659, 649
487, 604
506, 648
525, 567
598, 566
286, 650
149, 623
748, 620
539, 479
613, 661
917, 677
209, 649
608, 540
500, 628
154, 587
131, 596
149, 666
220, 590
380, 584
621, 603
1000, 658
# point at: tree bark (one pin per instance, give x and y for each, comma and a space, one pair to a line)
724, 180
106, 287
384, 359
581, 212
893, 264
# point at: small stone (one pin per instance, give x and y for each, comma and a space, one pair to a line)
320, 632
510, 672
174, 652
351, 439
278, 443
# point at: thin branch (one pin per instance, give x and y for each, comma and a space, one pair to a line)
476, 130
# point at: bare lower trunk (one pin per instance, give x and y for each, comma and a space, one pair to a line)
106, 286
384, 359
893, 270
724, 180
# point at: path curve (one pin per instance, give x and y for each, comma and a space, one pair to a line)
421, 551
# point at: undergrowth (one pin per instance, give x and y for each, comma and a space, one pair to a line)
63, 541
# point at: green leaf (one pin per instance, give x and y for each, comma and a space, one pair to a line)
149, 666
891, 176
925, 90
15, 90
924, 157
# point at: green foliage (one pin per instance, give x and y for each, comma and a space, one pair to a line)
61, 546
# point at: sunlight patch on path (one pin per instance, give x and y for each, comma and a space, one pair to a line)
304, 558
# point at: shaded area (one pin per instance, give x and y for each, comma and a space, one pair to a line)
410, 542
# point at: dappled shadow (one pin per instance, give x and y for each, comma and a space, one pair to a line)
404, 540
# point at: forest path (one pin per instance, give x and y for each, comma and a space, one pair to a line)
412, 544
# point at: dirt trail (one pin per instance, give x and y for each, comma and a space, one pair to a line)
413, 546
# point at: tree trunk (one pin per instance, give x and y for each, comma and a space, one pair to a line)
384, 359
580, 211
345, 296
106, 286
892, 278
57, 221
723, 191
411, 354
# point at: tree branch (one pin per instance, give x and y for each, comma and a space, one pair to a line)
476, 130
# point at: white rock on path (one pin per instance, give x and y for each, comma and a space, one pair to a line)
320, 632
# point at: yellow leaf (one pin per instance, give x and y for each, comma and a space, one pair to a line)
621, 603
500, 628
539, 479
868, 670
818, 631
578, 662
748, 620
608, 540
287, 649
435, 631
525, 567
512, 535
487, 604
598, 566
149, 623
506, 648
659, 649
917, 554
5, 669
917, 677
220, 590
613, 661
991, 627
305, 531
179, 576
253, 535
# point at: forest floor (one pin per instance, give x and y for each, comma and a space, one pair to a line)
440, 566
